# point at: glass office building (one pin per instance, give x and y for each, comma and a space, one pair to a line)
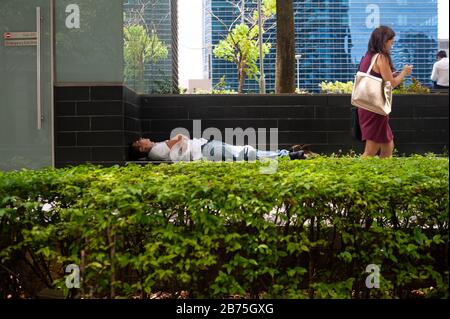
207, 39
332, 35
159, 74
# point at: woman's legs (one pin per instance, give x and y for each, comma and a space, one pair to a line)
371, 148
217, 151
387, 149
271, 154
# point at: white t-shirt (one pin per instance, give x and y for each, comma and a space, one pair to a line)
185, 150
159, 152
440, 72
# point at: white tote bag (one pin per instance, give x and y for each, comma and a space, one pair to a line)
372, 93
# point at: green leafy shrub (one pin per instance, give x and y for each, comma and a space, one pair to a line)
220, 88
301, 91
215, 92
220, 229
415, 87
336, 87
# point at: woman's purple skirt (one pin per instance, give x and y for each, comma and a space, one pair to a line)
375, 127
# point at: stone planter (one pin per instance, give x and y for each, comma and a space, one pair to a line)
95, 124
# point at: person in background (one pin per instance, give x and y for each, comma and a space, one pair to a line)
440, 71
375, 129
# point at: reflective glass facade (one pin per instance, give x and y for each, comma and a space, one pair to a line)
332, 36
207, 38
160, 75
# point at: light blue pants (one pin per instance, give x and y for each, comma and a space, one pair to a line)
220, 151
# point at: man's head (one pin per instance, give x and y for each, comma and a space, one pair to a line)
140, 148
441, 54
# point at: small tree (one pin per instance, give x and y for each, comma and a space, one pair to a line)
241, 46
140, 48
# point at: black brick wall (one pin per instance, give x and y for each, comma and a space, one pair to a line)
95, 124
132, 116
419, 122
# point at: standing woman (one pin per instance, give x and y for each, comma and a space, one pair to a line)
375, 128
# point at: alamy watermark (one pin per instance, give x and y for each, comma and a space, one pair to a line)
373, 279
73, 279
255, 141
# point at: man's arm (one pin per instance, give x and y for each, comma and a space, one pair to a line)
175, 140
434, 74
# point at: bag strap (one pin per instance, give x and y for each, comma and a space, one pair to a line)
374, 59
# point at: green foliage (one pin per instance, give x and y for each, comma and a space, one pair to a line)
219, 88
241, 46
219, 229
224, 92
141, 48
301, 91
346, 88
164, 85
415, 87
222, 84
215, 92
182, 90
336, 87
268, 8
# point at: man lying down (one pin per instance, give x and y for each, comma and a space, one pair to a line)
181, 148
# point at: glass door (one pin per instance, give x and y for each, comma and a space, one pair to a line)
26, 84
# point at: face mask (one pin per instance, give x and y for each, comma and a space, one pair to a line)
159, 152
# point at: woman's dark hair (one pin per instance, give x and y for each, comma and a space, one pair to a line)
134, 154
377, 42
441, 54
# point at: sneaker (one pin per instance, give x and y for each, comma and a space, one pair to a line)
297, 155
300, 147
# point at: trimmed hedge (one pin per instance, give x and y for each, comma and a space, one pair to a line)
220, 229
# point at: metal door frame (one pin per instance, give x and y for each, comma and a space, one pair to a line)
52, 79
